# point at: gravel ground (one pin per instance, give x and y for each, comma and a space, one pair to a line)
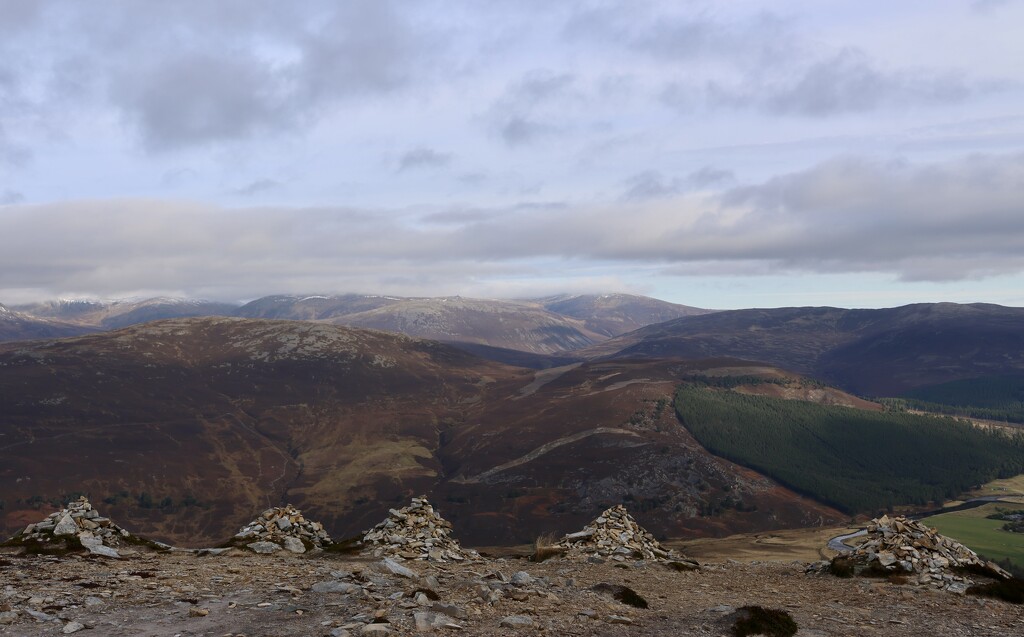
183, 594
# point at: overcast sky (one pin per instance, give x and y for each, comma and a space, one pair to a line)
718, 154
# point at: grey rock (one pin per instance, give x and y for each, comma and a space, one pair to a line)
66, 526
424, 621
516, 621
375, 629
334, 587
619, 619
95, 546
450, 610
396, 568
40, 616
72, 627
521, 578
264, 548
340, 632
8, 617
294, 545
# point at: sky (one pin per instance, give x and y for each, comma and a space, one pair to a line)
716, 154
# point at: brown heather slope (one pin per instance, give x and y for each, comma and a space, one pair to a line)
184, 429
872, 352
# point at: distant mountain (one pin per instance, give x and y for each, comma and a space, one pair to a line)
185, 428
872, 352
17, 326
313, 308
498, 329
540, 326
109, 315
614, 314
513, 325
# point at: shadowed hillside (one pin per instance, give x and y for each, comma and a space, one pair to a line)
872, 352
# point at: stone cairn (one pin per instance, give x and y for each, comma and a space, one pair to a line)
77, 523
416, 532
615, 534
282, 528
907, 547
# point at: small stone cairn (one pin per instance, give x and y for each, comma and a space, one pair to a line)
282, 528
77, 523
616, 535
416, 532
910, 548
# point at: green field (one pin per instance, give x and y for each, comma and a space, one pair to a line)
981, 535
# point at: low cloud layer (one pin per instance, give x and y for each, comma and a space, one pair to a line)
941, 222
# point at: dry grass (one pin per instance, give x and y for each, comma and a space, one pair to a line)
806, 545
546, 547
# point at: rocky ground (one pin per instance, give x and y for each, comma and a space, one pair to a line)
239, 593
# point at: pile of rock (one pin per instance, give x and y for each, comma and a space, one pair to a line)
76, 525
416, 532
280, 528
910, 548
616, 535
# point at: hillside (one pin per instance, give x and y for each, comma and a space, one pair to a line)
495, 329
504, 324
832, 453
108, 315
17, 326
871, 352
184, 427
614, 314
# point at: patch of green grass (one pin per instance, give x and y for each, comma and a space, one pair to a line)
980, 534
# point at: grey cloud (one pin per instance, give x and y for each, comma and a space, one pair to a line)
986, 6
709, 176
8, 197
367, 46
531, 108
847, 82
257, 187
518, 131
423, 158
687, 36
201, 98
960, 219
650, 184
190, 73
13, 153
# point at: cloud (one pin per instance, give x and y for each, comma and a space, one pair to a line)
199, 98
709, 176
533, 108
257, 187
8, 197
423, 158
849, 82
195, 74
650, 184
942, 221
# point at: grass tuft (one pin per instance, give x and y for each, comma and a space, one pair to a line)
546, 547
1008, 590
